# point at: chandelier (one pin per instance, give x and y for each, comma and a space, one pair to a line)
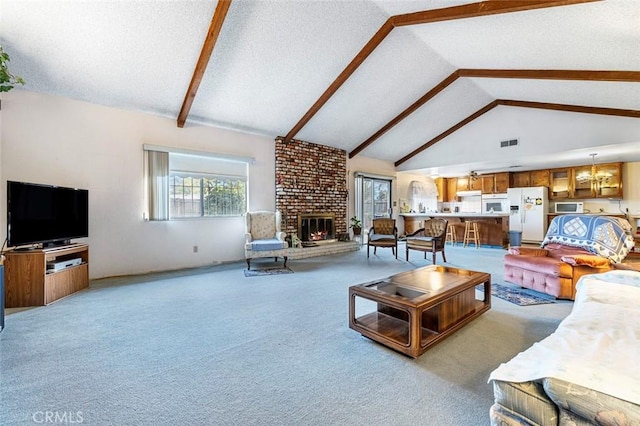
594, 176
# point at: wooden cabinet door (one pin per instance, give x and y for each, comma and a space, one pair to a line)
441, 186
475, 184
539, 178
452, 188
581, 182
521, 179
608, 183
501, 183
463, 183
559, 183
488, 184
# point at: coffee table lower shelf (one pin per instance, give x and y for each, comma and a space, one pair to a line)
393, 328
394, 332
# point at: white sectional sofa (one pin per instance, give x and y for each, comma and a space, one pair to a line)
587, 371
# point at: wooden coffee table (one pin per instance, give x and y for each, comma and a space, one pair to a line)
412, 311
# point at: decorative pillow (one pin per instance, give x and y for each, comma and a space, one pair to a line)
586, 260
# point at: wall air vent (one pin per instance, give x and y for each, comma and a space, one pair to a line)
510, 142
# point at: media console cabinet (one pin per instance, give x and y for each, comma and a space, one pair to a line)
29, 283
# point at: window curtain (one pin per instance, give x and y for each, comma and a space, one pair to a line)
158, 184
359, 182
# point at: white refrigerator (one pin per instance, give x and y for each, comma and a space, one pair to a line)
528, 209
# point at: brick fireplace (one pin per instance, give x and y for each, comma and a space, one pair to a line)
311, 189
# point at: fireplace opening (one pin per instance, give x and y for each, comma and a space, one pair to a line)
317, 227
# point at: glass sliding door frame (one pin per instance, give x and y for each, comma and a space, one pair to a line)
373, 198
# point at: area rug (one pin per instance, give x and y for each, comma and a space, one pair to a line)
267, 271
520, 297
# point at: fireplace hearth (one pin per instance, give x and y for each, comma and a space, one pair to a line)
316, 227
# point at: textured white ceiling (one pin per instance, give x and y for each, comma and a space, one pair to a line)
393, 77
274, 58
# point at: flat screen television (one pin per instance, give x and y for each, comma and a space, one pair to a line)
45, 214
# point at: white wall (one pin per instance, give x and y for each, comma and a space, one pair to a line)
53, 140
404, 180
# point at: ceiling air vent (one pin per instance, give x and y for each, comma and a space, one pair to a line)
510, 142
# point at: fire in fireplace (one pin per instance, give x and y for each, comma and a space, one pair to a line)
316, 227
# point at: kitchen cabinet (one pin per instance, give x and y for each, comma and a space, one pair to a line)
488, 184
573, 182
466, 183
501, 182
530, 178
578, 183
475, 184
452, 188
497, 183
539, 177
463, 183
559, 180
581, 183
599, 181
521, 179
611, 186
441, 186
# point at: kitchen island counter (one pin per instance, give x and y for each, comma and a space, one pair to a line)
492, 227
458, 214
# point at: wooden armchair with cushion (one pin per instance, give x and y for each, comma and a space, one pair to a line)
431, 238
383, 233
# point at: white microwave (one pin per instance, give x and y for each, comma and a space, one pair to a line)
569, 207
495, 205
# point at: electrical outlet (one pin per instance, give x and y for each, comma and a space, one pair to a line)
195, 249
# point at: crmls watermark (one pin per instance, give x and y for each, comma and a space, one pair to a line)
58, 417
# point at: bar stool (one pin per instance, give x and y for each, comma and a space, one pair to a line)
451, 235
471, 234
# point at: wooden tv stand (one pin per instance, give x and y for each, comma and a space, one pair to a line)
28, 283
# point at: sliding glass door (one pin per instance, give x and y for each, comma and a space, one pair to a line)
373, 199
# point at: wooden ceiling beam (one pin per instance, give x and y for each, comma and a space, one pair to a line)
483, 8
447, 132
572, 108
582, 75
474, 10
215, 27
524, 104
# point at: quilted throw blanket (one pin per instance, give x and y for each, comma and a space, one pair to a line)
606, 236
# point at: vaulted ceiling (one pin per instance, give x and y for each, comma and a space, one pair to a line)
431, 85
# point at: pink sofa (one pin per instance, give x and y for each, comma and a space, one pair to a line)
554, 270
575, 245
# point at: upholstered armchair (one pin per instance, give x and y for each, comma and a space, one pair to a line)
263, 237
430, 239
383, 233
